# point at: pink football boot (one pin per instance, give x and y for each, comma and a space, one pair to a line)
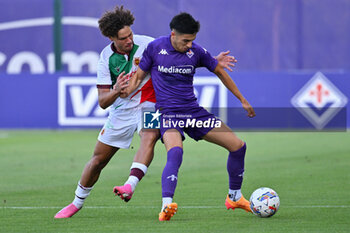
124, 192
67, 211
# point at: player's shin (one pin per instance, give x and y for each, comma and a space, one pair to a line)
169, 176
235, 169
137, 171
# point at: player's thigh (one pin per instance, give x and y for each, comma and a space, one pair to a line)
224, 137
120, 133
172, 138
104, 152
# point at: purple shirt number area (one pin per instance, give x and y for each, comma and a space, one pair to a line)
172, 72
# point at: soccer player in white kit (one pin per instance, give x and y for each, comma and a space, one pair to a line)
121, 57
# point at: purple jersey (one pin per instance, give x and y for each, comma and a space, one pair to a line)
172, 72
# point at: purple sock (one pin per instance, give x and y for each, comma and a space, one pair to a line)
235, 167
169, 176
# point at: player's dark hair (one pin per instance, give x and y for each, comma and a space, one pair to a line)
184, 23
112, 21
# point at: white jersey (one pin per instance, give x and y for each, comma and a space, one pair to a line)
111, 64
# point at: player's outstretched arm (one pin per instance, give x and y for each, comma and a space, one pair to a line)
225, 60
106, 97
230, 84
134, 83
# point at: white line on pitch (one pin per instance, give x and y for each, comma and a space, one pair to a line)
151, 207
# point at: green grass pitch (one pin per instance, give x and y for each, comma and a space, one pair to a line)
310, 171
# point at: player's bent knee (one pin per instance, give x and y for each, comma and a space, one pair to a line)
237, 145
150, 137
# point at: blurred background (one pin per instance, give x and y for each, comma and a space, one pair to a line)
293, 59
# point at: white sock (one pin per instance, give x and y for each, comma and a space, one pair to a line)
133, 181
234, 195
81, 193
166, 201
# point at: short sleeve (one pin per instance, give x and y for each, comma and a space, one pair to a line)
103, 73
146, 60
206, 60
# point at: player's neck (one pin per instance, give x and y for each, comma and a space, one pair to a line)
173, 44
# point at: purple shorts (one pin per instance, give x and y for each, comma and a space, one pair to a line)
196, 122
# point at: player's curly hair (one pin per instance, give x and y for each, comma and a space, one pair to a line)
112, 21
184, 23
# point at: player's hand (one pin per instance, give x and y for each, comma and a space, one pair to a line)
123, 94
226, 61
246, 105
122, 83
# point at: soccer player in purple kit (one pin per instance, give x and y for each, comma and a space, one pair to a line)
119, 57
171, 61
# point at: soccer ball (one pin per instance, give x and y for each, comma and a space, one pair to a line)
264, 202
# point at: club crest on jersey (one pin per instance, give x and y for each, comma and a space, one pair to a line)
137, 61
319, 100
117, 69
190, 53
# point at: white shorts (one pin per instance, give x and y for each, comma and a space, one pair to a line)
121, 125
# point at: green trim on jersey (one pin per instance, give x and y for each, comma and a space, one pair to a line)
118, 64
